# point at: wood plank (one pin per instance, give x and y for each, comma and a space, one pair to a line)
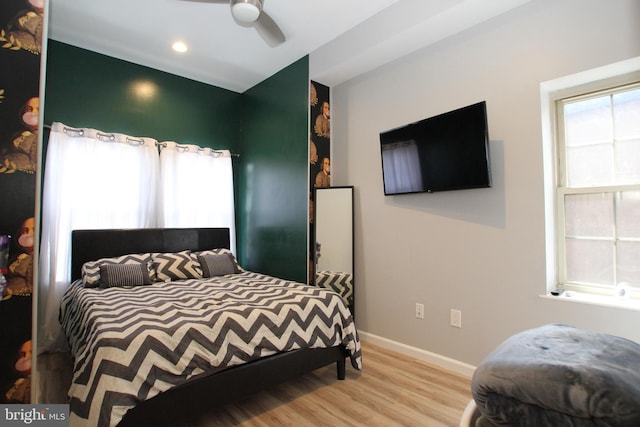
391, 390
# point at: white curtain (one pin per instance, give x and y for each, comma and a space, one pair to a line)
196, 188
99, 180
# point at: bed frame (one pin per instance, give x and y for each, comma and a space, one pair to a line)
207, 390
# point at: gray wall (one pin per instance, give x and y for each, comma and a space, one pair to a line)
479, 251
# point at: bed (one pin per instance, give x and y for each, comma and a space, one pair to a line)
149, 354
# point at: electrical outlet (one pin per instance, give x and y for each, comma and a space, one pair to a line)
420, 311
455, 318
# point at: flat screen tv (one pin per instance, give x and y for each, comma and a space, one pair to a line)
449, 151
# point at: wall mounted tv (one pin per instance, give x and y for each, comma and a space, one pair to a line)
449, 151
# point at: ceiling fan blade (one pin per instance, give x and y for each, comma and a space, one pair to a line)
269, 30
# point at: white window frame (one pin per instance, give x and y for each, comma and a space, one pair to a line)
586, 84
562, 190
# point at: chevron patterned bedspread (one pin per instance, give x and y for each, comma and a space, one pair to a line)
131, 344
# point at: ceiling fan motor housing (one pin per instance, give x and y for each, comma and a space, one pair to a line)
246, 10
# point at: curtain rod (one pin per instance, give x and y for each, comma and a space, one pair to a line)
48, 126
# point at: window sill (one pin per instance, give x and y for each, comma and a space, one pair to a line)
600, 300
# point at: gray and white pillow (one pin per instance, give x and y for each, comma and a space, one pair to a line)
221, 251
217, 264
125, 275
90, 272
176, 265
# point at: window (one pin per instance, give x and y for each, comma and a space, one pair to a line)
94, 179
598, 190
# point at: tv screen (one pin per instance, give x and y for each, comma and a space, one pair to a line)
449, 151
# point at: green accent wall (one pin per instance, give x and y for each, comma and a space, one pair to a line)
87, 89
273, 225
267, 125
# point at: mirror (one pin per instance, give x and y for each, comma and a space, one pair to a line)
334, 241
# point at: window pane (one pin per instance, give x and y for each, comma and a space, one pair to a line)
628, 215
589, 215
628, 161
628, 265
627, 114
588, 121
589, 261
590, 165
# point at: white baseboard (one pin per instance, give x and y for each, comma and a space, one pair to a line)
419, 354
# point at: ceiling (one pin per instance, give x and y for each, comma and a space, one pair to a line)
344, 38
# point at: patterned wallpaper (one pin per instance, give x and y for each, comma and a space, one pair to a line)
20, 46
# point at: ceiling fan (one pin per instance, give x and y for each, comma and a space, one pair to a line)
249, 13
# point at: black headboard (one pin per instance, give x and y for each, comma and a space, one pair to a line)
90, 245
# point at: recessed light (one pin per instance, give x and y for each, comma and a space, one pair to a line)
180, 47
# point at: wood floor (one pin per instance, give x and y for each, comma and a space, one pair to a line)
391, 390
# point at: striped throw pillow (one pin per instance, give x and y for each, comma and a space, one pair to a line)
125, 275
217, 264
220, 251
91, 270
